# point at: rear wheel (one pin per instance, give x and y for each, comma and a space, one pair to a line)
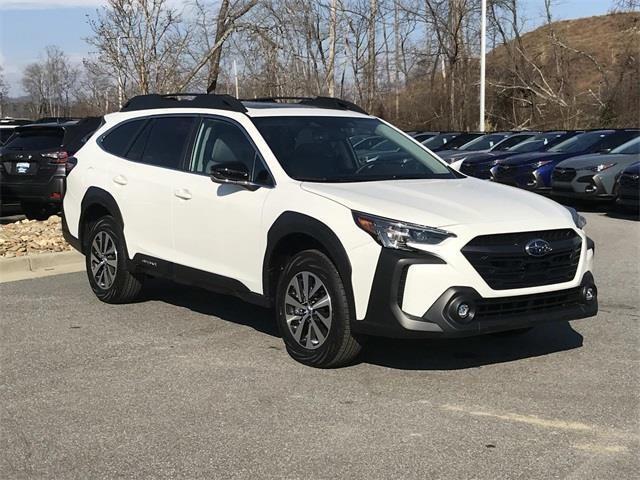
106, 262
313, 312
38, 211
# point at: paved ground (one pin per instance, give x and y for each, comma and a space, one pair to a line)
186, 384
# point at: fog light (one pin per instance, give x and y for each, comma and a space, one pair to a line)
463, 310
589, 294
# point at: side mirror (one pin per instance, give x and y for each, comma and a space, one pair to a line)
604, 150
235, 173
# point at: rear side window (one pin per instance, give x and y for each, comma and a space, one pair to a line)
167, 142
36, 139
118, 140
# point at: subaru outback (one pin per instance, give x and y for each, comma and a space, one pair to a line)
270, 202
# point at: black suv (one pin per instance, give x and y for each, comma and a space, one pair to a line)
33, 164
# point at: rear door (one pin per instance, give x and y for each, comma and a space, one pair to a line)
32, 154
145, 184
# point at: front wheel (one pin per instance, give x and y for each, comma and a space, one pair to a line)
313, 313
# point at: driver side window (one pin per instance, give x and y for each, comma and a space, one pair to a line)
219, 142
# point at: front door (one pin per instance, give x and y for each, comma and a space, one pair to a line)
218, 227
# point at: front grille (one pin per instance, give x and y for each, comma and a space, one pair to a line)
497, 308
563, 174
502, 262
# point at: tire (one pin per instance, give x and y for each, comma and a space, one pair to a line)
37, 211
309, 338
112, 282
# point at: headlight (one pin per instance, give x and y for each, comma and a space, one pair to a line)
578, 219
539, 164
399, 235
601, 167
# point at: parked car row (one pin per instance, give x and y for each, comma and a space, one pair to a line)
33, 162
579, 164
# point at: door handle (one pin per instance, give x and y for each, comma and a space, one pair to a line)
120, 180
183, 193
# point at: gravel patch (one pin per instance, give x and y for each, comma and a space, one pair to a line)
27, 237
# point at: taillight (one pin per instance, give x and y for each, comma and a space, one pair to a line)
57, 157
70, 163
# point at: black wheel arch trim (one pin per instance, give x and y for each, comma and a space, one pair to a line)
295, 223
98, 196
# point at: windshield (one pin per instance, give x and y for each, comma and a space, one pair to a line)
483, 143
509, 142
319, 149
535, 143
35, 139
579, 143
629, 148
439, 140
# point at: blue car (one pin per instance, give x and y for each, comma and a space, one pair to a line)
479, 165
532, 171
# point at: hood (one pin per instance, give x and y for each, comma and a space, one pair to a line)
532, 157
594, 159
633, 169
447, 154
487, 157
441, 203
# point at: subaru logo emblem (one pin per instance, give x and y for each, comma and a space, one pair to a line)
538, 247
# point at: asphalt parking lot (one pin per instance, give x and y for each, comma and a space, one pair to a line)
187, 384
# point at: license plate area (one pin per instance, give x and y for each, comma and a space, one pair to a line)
21, 168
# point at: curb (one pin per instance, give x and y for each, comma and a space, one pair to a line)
39, 262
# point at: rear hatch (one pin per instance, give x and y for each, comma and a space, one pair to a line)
33, 154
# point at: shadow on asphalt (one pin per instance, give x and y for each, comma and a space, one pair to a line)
226, 307
472, 352
609, 209
440, 354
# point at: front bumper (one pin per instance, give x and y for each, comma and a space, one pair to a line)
584, 186
522, 177
387, 317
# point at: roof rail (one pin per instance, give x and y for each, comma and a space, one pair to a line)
174, 100
319, 102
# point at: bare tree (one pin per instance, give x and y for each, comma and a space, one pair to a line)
4, 91
50, 83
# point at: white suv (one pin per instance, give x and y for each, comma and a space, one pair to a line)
278, 204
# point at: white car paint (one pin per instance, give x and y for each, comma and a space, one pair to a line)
223, 229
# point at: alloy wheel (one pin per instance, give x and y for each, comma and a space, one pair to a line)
104, 260
308, 310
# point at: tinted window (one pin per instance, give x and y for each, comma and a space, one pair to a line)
616, 139
629, 148
36, 139
5, 133
439, 140
484, 142
220, 142
507, 143
167, 141
580, 143
118, 139
137, 148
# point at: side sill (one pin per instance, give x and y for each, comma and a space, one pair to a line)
198, 278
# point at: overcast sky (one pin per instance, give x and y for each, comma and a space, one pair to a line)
28, 26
